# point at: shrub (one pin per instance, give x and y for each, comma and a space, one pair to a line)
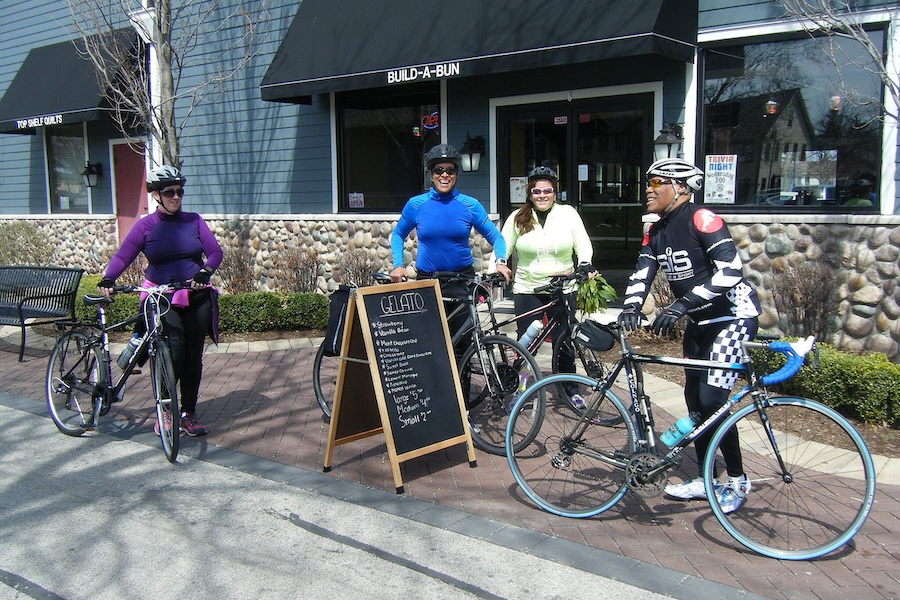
861, 386
357, 265
133, 275
298, 269
266, 311
23, 243
123, 307
254, 311
803, 298
236, 271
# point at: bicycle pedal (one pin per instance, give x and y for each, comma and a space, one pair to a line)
135, 371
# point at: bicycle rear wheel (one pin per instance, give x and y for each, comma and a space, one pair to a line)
324, 380
588, 363
492, 377
74, 383
165, 393
573, 467
808, 495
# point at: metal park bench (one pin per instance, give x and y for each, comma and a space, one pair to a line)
36, 296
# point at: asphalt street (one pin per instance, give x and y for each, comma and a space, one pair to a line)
105, 516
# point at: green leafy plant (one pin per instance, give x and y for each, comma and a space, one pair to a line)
594, 295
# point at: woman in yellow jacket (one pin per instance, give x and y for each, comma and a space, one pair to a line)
546, 237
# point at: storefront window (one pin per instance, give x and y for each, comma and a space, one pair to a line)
65, 162
383, 136
782, 132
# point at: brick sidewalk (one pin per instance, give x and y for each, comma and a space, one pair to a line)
261, 402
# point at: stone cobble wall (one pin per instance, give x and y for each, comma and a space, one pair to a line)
862, 252
865, 306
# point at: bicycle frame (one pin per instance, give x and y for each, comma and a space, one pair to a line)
479, 290
642, 412
557, 295
152, 317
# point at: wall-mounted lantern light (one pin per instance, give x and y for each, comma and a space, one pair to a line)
91, 174
668, 143
771, 107
471, 153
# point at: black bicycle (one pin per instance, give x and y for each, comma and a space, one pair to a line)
325, 364
581, 343
80, 383
494, 369
802, 497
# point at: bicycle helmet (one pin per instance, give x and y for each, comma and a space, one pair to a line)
679, 170
442, 153
164, 176
543, 172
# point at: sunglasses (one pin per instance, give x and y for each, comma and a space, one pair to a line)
658, 183
539, 191
442, 170
172, 193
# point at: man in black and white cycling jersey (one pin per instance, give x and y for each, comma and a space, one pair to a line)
693, 247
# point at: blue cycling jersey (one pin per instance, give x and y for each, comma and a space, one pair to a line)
443, 223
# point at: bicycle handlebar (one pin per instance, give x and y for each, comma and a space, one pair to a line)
488, 278
155, 289
794, 351
558, 281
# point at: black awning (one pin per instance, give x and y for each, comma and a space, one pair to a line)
55, 85
335, 45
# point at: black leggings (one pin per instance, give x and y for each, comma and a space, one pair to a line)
186, 328
458, 290
527, 302
705, 392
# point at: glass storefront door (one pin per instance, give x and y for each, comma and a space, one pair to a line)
599, 147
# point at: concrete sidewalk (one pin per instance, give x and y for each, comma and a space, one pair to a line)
258, 402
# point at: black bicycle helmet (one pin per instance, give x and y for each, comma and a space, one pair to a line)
442, 153
679, 170
542, 172
164, 176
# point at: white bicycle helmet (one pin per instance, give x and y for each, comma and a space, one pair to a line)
679, 170
164, 176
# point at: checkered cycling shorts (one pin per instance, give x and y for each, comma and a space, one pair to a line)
727, 348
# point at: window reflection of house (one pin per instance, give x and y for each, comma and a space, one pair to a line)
771, 134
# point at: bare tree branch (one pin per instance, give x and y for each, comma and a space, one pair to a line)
830, 22
123, 70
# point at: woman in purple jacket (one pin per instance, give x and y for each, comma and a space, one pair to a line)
175, 244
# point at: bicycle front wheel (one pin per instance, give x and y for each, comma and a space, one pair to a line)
574, 467
75, 380
493, 375
324, 380
808, 494
165, 393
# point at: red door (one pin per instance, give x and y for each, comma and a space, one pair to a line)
130, 193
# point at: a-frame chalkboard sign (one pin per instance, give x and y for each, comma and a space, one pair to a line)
397, 375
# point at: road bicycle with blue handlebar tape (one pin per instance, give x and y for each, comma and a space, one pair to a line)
804, 496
